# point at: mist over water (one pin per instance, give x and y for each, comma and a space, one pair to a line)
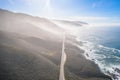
102, 45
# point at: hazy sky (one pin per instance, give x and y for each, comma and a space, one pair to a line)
104, 11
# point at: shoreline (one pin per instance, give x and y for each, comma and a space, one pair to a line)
112, 72
79, 65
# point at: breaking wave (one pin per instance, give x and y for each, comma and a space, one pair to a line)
108, 59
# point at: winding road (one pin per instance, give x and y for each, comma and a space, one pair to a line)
63, 60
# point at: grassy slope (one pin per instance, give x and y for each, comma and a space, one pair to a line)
19, 63
31, 53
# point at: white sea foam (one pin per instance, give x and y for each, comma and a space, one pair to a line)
108, 59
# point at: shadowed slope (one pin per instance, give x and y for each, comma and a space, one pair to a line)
30, 49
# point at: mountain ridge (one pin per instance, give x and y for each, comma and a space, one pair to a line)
30, 49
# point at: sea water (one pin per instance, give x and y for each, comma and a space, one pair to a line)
102, 45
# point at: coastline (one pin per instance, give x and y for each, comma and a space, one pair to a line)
91, 54
81, 67
32, 53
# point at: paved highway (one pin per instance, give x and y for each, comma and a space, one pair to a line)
63, 60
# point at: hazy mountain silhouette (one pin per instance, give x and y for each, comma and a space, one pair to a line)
30, 49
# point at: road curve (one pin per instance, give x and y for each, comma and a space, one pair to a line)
63, 60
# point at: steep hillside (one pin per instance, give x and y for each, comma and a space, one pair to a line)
30, 49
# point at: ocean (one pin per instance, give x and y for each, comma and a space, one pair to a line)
102, 45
